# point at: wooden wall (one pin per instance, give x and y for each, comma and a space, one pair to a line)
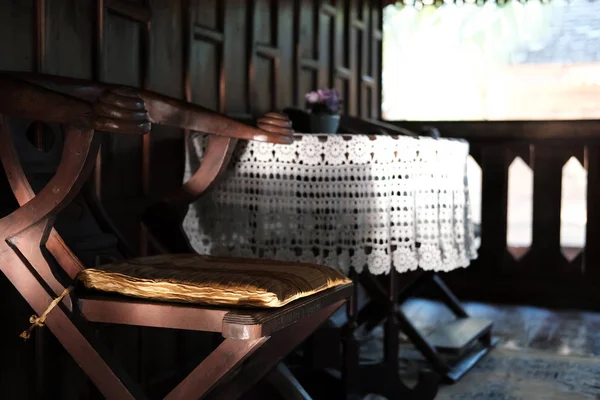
243, 58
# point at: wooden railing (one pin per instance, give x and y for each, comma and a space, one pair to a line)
544, 275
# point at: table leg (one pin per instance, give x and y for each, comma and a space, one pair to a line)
392, 328
384, 379
351, 347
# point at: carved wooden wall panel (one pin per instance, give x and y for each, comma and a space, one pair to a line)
165, 75
120, 168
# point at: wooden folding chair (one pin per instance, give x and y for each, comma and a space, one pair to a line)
255, 338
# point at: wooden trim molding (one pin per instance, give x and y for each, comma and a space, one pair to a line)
510, 130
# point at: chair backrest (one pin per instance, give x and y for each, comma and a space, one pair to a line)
30, 226
82, 224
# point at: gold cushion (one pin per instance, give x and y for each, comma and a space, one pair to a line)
212, 280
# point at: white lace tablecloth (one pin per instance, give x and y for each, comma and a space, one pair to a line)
342, 202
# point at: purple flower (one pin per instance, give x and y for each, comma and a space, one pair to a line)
312, 97
324, 100
325, 94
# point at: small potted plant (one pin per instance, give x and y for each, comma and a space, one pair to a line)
324, 107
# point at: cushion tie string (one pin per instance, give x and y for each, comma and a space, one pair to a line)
34, 320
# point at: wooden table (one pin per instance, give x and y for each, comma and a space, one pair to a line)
371, 206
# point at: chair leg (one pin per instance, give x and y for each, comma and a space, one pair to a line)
271, 353
214, 368
111, 381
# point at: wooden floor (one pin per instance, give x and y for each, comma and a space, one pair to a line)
543, 354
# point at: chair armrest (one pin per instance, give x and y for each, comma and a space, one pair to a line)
164, 110
114, 110
217, 157
273, 128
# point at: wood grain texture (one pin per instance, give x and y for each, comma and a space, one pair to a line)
26, 230
298, 45
541, 274
523, 131
69, 37
17, 35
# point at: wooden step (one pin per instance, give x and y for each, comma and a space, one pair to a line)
455, 336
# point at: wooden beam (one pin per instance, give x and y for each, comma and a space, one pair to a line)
511, 130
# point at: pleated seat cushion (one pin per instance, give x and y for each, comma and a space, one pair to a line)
212, 280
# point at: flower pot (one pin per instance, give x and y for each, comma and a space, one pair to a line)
324, 123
